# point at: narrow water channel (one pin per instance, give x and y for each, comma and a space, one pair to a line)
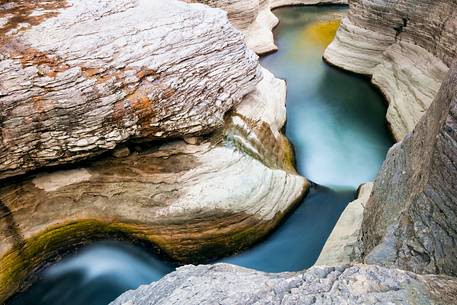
336, 122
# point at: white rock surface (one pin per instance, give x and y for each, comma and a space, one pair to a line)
88, 75
406, 46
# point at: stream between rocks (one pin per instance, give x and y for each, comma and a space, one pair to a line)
335, 121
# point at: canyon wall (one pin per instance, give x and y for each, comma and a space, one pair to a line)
406, 46
410, 220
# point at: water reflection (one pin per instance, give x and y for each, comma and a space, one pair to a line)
336, 122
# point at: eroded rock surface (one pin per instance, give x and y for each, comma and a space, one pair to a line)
406, 45
77, 77
256, 20
232, 285
212, 196
410, 220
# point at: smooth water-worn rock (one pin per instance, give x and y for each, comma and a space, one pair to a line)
232, 285
77, 77
256, 20
194, 202
341, 246
410, 220
405, 45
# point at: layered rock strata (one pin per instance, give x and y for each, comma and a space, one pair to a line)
410, 220
232, 285
255, 19
195, 201
77, 77
405, 45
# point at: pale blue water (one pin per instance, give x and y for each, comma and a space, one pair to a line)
336, 122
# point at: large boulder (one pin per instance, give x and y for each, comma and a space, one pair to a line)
77, 77
405, 45
231, 285
410, 220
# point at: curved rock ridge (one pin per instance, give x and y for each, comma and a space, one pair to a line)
410, 220
232, 285
215, 196
405, 45
255, 19
77, 77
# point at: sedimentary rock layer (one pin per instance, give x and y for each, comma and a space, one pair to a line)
232, 285
217, 195
77, 77
255, 19
410, 220
407, 47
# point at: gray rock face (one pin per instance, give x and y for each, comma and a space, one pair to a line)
406, 45
410, 220
231, 285
78, 77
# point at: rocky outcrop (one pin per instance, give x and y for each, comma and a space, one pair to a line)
341, 246
255, 19
405, 45
410, 220
77, 77
195, 199
228, 284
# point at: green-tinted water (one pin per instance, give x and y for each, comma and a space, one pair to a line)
336, 122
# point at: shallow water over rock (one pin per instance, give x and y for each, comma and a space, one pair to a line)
336, 122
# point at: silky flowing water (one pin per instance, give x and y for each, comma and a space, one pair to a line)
336, 122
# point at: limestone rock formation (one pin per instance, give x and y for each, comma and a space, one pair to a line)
192, 201
77, 77
342, 245
405, 45
255, 19
231, 285
410, 220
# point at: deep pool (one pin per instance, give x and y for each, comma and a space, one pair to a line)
336, 122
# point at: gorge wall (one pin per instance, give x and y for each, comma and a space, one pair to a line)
406, 46
410, 220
